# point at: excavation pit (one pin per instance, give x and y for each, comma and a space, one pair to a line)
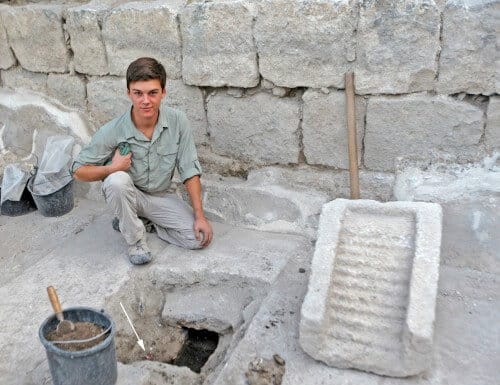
199, 346
189, 323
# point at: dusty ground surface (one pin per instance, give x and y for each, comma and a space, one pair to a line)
85, 259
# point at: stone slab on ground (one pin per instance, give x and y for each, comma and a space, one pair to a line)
268, 206
372, 291
218, 308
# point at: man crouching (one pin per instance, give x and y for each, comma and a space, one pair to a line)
135, 155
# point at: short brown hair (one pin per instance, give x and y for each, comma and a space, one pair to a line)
146, 68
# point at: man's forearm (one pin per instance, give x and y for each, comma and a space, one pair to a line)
92, 173
193, 187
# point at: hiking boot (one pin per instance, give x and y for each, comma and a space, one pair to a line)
149, 226
139, 253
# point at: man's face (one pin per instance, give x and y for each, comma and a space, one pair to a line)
146, 96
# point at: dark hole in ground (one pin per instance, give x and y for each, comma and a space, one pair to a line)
199, 346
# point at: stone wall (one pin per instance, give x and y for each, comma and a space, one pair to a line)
262, 84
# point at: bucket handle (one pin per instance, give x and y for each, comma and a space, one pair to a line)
85, 340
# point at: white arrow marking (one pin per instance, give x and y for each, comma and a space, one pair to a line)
139, 341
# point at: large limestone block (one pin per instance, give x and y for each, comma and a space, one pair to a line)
137, 29
107, 99
217, 45
469, 52
397, 44
36, 36
324, 128
219, 308
305, 43
7, 59
419, 126
492, 137
371, 298
17, 77
84, 27
190, 100
69, 90
260, 128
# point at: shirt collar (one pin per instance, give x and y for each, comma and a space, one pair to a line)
131, 131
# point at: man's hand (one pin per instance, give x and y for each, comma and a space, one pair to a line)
92, 173
121, 162
203, 226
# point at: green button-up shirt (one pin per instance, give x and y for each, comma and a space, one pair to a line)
153, 161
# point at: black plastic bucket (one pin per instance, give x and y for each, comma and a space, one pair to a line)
56, 204
15, 208
92, 366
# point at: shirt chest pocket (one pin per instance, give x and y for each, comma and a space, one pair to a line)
167, 155
139, 159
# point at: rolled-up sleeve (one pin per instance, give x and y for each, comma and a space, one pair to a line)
187, 157
97, 152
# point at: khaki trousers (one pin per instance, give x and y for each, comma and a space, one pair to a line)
172, 217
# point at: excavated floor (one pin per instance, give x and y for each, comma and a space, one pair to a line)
262, 275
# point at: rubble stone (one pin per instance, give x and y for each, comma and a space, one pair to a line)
418, 125
107, 99
36, 36
260, 128
305, 44
137, 29
69, 90
324, 128
228, 60
492, 137
83, 26
190, 100
469, 52
19, 78
397, 44
376, 311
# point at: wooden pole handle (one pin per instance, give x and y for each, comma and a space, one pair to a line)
351, 130
54, 300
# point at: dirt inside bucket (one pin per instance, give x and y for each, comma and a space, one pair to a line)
83, 331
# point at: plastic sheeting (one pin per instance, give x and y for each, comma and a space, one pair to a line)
53, 172
14, 182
